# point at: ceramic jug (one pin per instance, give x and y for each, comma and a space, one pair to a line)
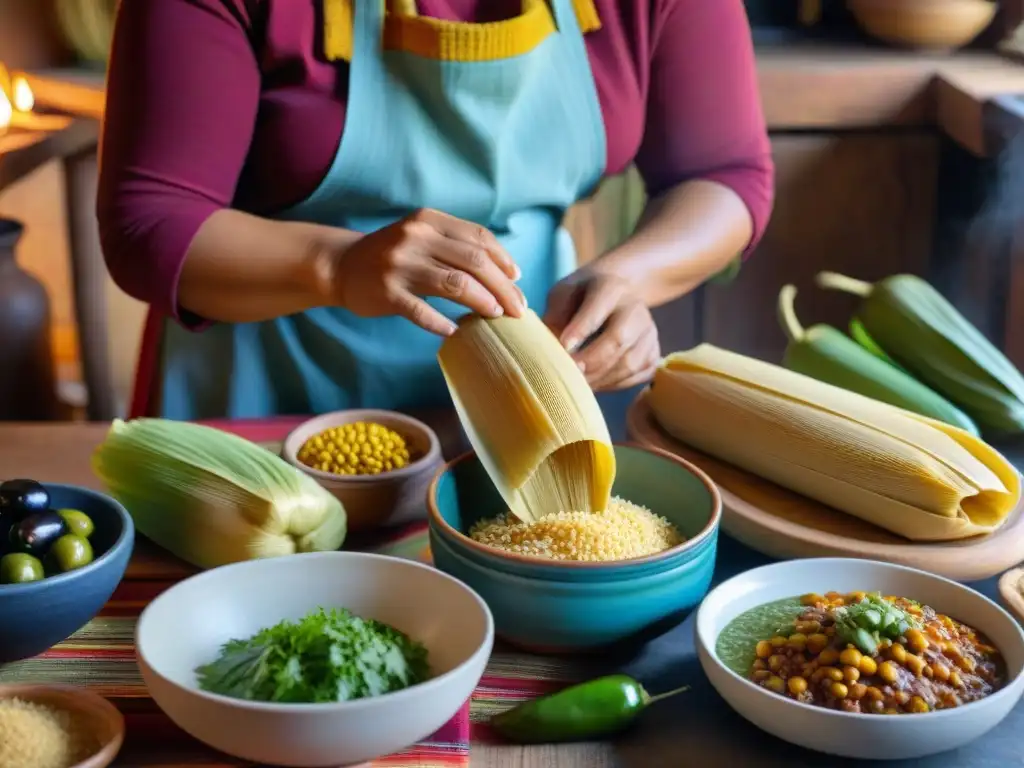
27, 382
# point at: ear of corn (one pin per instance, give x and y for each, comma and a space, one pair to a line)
530, 415
212, 498
912, 475
826, 354
925, 334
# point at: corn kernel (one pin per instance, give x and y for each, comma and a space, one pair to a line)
888, 672
917, 704
839, 690
817, 642
796, 685
775, 683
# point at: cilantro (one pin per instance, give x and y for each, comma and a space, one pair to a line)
326, 657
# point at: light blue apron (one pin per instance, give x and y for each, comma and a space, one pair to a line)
507, 143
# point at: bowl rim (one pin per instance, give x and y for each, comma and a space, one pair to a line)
435, 518
425, 687
124, 537
89, 702
290, 451
711, 653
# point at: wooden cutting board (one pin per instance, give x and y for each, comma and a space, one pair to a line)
1011, 590
785, 525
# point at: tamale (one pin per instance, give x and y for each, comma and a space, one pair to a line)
907, 473
530, 415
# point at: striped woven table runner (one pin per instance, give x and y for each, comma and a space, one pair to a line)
101, 656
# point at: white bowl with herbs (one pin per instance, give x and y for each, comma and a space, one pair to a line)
321, 659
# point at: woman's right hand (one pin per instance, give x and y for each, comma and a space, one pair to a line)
428, 253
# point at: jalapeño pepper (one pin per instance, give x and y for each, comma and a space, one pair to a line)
601, 707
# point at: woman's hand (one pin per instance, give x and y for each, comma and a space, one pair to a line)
428, 253
607, 327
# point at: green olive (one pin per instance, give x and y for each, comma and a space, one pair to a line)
70, 551
19, 568
78, 522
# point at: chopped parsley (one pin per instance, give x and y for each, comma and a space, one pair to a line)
329, 656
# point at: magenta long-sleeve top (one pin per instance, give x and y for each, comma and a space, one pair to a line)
228, 103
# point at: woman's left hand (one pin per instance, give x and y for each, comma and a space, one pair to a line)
607, 328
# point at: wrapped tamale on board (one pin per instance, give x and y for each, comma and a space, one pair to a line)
904, 472
530, 415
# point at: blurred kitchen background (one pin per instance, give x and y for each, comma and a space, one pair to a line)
896, 128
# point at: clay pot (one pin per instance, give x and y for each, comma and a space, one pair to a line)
27, 382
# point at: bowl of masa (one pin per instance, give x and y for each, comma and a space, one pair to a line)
861, 659
377, 463
322, 659
46, 595
576, 581
57, 726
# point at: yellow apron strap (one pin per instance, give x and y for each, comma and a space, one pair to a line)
338, 22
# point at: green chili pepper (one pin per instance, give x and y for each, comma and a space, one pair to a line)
590, 710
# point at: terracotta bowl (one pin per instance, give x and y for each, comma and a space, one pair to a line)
925, 24
373, 501
98, 715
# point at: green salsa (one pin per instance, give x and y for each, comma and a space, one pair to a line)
736, 643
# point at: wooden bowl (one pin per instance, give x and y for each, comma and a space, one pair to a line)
373, 501
1011, 590
926, 24
96, 713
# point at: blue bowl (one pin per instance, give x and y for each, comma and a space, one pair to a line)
36, 616
564, 606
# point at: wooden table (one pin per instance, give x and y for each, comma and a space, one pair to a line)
695, 729
61, 452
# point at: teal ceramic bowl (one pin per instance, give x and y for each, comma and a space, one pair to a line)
562, 606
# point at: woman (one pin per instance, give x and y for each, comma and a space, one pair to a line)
308, 192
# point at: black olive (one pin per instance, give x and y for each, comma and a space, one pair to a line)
23, 497
35, 534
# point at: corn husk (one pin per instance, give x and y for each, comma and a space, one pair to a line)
212, 498
530, 415
907, 473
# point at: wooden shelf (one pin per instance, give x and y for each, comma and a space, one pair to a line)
804, 86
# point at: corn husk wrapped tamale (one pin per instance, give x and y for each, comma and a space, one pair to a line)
906, 473
530, 415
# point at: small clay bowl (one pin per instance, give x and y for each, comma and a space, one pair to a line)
373, 501
935, 25
98, 715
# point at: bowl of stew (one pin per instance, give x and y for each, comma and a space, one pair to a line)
861, 659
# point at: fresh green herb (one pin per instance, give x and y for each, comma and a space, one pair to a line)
328, 656
864, 624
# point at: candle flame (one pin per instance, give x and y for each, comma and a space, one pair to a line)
6, 107
6, 111
22, 97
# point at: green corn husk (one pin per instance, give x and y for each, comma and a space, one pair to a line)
212, 498
919, 329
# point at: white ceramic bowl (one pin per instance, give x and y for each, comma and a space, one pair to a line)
372, 501
186, 625
867, 737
